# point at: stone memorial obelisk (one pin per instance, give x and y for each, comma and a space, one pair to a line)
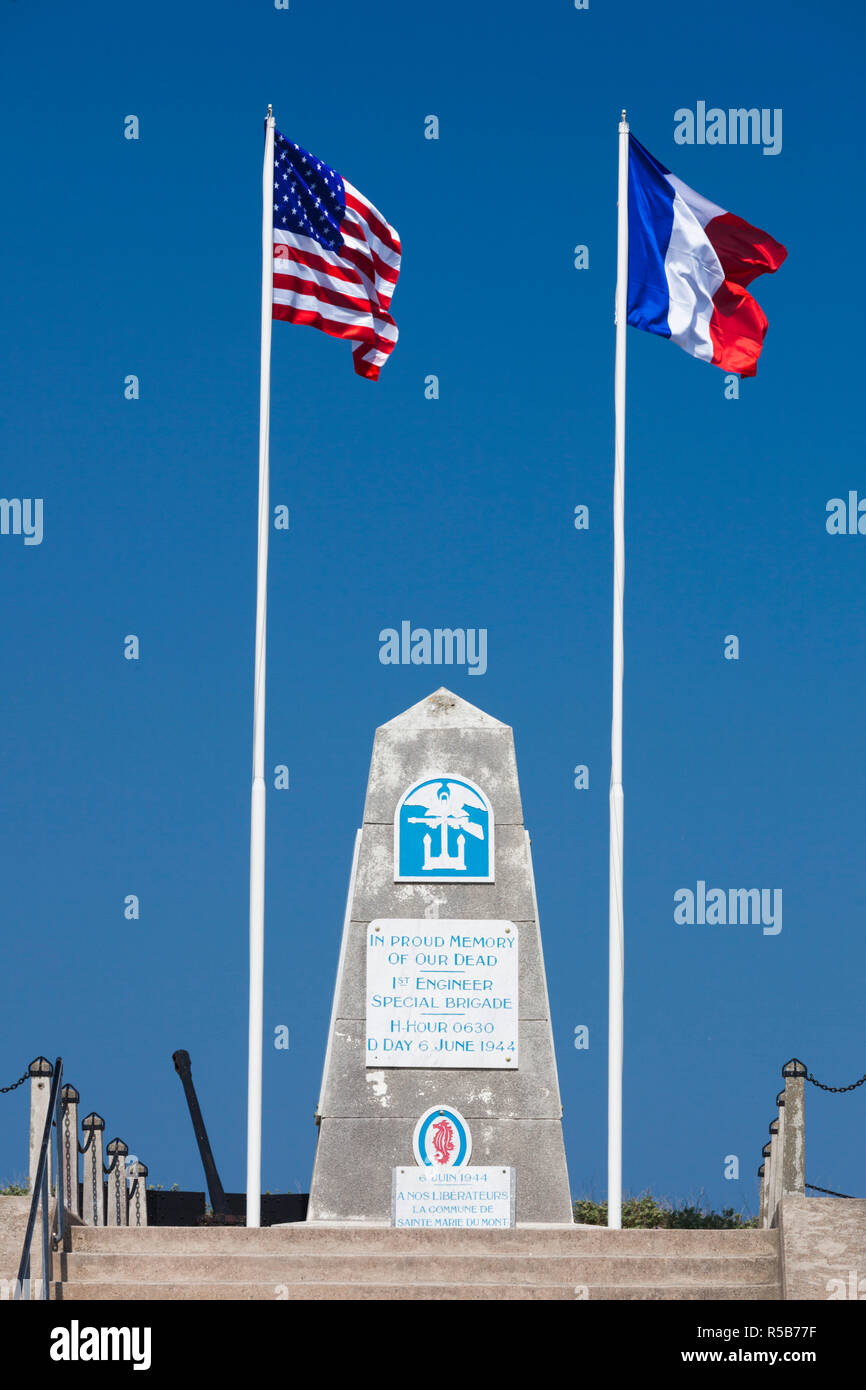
440, 1040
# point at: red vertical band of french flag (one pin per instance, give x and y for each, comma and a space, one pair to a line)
688, 267
739, 325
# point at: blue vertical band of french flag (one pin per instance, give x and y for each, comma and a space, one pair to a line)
689, 262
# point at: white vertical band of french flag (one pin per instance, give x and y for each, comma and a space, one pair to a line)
689, 262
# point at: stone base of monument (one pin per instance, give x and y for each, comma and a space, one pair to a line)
441, 1001
301, 1262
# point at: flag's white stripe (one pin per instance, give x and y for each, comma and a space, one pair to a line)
365, 202
356, 234
694, 273
374, 291
356, 193
371, 355
355, 225
284, 265
388, 254
376, 286
304, 243
356, 243
295, 299
702, 208
313, 248
361, 286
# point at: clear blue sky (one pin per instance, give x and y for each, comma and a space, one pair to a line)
126, 777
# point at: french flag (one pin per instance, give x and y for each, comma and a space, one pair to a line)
689, 262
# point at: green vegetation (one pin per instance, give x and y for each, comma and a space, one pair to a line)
18, 1187
644, 1212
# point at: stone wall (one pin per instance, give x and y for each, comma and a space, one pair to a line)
823, 1247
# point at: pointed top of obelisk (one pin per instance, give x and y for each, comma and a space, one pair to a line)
443, 710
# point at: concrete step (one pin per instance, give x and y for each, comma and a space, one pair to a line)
447, 1268
355, 1292
299, 1238
339, 1262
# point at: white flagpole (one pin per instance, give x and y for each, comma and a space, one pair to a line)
615, 985
257, 812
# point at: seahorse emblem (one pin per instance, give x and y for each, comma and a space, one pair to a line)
443, 1141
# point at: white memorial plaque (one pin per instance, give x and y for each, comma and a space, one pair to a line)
441, 993
431, 1198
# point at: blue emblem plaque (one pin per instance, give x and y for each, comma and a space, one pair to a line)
443, 832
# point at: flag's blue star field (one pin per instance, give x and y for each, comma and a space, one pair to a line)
309, 198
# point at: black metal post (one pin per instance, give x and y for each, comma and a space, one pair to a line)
214, 1186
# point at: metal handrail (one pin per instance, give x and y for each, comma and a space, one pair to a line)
41, 1190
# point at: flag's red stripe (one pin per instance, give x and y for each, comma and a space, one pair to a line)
347, 266
743, 250
286, 279
369, 324
323, 293
368, 262
351, 226
368, 369
365, 313
353, 331
385, 233
737, 329
334, 267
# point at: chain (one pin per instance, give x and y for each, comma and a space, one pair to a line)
828, 1191
117, 1181
96, 1211
109, 1170
67, 1144
138, 1201
838, 1089
15, 1084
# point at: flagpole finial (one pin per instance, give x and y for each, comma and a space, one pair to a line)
271, 111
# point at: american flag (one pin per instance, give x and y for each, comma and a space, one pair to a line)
336, 259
